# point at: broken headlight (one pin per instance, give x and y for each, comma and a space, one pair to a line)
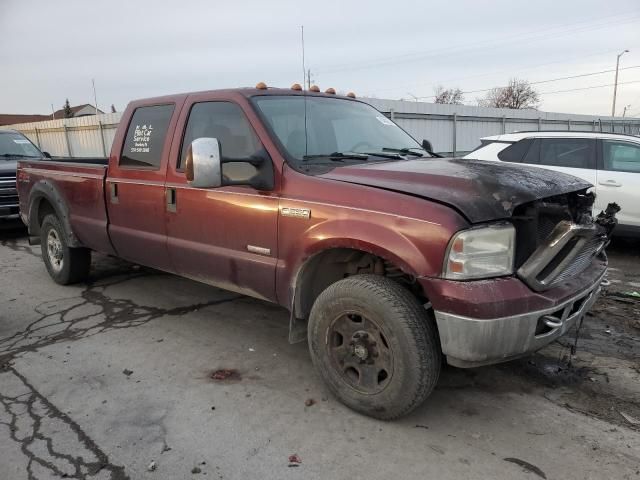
481, 252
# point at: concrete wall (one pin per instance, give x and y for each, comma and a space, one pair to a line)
450, 128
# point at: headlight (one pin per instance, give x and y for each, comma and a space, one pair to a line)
481, 252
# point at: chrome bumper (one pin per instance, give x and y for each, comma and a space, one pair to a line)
471, 342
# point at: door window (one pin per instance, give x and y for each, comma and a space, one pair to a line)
621, 156
226, 122
568, 152
145, 136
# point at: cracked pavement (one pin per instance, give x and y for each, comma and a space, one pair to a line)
99, 380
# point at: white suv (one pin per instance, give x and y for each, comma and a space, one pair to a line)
609, 161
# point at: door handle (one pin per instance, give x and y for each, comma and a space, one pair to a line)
113, 192
610, 183
171, 200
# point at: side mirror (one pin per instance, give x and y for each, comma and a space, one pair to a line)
426, 144
46, 154
203, 165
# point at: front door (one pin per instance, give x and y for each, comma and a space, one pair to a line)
223, 236
135, 189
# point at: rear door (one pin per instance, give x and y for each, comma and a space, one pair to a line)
575, 156
619, 179
223, 236
135, 192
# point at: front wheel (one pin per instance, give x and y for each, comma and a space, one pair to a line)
375, 345
65, 264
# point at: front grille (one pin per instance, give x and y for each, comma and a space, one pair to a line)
564, 253
581, 261
8, 191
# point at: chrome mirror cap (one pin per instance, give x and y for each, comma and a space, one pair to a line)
203, 163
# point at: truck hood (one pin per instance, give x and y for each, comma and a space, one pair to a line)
480, 190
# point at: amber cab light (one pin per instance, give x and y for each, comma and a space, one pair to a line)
351, 95
330, 91
314, 88
261, 86
296, 86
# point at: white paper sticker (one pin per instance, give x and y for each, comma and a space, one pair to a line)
142, 138
21, 141
384, 120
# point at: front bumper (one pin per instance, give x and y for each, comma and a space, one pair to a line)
470, 341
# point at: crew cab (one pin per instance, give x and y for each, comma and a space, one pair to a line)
387, 257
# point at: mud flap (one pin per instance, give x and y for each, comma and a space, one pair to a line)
297, 329
297, 326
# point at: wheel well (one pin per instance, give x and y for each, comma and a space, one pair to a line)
44, 208
329, 266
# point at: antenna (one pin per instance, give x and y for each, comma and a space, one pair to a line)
304, 72
95, 98
304, 69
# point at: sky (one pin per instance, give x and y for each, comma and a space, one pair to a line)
51, 50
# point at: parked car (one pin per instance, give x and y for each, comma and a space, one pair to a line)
609, 161
13, 146
386, 257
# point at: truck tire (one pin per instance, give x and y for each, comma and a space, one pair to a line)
65, 265
375, 346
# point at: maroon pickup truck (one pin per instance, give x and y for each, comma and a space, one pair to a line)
387, 257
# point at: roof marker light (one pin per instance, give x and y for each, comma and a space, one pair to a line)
351, 95
314, 88
261, 86
330, 91
296, 86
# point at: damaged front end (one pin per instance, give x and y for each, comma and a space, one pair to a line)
558, 238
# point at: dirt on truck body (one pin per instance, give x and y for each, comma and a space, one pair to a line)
387, 257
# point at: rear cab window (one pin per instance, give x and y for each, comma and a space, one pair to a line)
145, 137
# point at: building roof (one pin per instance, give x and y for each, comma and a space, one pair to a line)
58, 114
11, 119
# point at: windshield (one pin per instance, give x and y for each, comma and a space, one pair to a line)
16, 145
334, 128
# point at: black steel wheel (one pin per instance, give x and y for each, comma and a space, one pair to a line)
375, 345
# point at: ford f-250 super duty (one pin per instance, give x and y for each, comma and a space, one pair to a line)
386, 256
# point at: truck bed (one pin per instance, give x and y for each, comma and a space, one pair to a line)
76, 183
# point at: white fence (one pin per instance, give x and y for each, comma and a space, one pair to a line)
451, 129
89, 136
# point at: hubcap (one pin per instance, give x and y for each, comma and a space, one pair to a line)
360, 353
55, 250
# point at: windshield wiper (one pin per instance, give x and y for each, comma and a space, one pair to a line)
404, 151
17, 155
338, 156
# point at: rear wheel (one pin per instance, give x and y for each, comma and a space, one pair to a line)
375, 345
65, 264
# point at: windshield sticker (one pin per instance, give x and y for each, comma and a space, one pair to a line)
21, 141
384, 120
141, 139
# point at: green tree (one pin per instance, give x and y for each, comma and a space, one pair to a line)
68, 113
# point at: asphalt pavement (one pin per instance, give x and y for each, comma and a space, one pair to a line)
114, 379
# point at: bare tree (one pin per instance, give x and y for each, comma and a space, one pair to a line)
453, 96
518, 94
